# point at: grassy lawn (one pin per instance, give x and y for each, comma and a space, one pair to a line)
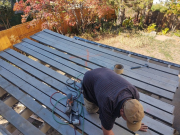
161, 47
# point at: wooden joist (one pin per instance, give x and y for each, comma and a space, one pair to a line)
20, 123
26, 80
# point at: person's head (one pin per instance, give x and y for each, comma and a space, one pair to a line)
133, 113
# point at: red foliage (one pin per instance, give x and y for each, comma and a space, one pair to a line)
55, 13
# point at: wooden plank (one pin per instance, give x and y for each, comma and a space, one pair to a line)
50, 61
2, 92
25, 114
20, 123
43, 113
60, 60
150, 100
150, 73
62, 55
10, 101
29, 80
45, 99
127, 69
165, 69
45, 127
127, 64
157, 103
4, 131
110, 64
54, 83
141, 85
149, 132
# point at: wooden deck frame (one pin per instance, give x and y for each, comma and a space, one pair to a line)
25, 71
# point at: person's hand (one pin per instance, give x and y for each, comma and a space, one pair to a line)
143, 127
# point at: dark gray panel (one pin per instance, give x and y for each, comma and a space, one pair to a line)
157, 103
50, 61
4, 131
54, 83
3, 72
38, 109
19, 122
165, 69
141, 85
61, 54
45, 99
110, 64
127, 65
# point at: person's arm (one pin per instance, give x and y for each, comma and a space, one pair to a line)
107, 132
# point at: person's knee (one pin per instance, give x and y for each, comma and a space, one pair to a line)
90, 107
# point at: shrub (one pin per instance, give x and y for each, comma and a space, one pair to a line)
128, 23
165, 31
177, 33
151, 27
159, 7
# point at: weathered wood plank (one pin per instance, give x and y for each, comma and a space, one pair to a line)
45, 99
62, 55
39, 86
139, 84
127, 64
165, 69
110, 64
35, 107
25, 114
150, 100
54, 83
20, 123
4, 131
83, 63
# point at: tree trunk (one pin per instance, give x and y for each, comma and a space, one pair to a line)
120, 14
148, 8
136, 16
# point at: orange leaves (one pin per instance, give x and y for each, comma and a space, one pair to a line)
56, 13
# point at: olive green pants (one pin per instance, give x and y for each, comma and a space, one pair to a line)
90, 107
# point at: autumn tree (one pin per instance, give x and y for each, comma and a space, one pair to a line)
56, 13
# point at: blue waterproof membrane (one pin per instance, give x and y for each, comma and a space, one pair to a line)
128, 52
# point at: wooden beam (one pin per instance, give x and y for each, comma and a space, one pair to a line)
2, 92
10, 101
25, 114
45, 127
